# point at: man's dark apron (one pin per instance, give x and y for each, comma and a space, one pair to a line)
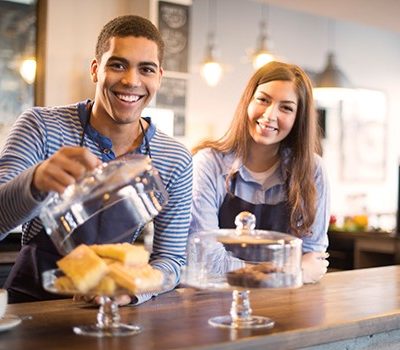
275, 217
24, 281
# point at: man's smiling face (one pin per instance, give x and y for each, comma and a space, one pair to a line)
127, 78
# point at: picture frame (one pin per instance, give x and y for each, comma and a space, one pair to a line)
22, 58
174, 24
355, 134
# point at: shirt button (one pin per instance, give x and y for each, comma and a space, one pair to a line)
106, 151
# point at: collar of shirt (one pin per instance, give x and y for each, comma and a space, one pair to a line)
105, 143
277, 178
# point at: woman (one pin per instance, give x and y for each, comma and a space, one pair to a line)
268, 163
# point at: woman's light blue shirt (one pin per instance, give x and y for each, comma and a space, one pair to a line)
209, 190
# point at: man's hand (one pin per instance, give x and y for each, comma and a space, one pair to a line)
315, 266
120, 299
63, 168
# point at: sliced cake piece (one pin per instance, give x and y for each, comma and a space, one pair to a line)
106, 286
83, 267
136, 279
126, 253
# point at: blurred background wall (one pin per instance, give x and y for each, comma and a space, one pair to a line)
364, 39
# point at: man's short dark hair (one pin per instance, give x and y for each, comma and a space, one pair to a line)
129, 25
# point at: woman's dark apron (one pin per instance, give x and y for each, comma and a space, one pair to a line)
274, 217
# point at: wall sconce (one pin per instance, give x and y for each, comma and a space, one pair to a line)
28, 70
263, 55
211, 69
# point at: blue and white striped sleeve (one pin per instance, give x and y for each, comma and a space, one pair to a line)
23, 150
171, 226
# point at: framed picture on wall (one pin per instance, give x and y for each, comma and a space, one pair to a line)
356, 128
173, 23
363, 136
21, 59
172, 95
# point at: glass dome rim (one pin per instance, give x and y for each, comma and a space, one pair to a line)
256, 233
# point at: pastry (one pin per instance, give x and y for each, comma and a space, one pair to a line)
106, 286
84, 267
107, 269
126, 253
136, 280
253, 276
64, 283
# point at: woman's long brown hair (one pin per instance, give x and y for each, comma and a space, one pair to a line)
303, 141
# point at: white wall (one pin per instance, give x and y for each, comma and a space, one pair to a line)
369, 56
73, 27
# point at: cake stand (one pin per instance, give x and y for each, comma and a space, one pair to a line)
108, 320
240, 260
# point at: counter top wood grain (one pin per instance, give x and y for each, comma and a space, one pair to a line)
344, 305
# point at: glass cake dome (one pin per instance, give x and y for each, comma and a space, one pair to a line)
242, 259
110, 204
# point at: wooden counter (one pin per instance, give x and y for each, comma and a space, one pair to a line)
344, 305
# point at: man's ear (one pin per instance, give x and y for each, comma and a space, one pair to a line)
161, 75
94, 66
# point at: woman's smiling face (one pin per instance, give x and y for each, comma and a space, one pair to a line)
272, 112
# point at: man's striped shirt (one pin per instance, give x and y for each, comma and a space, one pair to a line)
41, 131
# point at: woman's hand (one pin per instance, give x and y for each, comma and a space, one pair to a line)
314, 266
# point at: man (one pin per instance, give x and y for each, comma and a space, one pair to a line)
50, 148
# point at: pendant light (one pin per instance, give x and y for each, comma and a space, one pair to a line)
263, 55
332, 76
332, 82
211, 69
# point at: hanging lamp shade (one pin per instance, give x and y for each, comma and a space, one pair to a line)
332, 83
262, 55
332, 76
211, 69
